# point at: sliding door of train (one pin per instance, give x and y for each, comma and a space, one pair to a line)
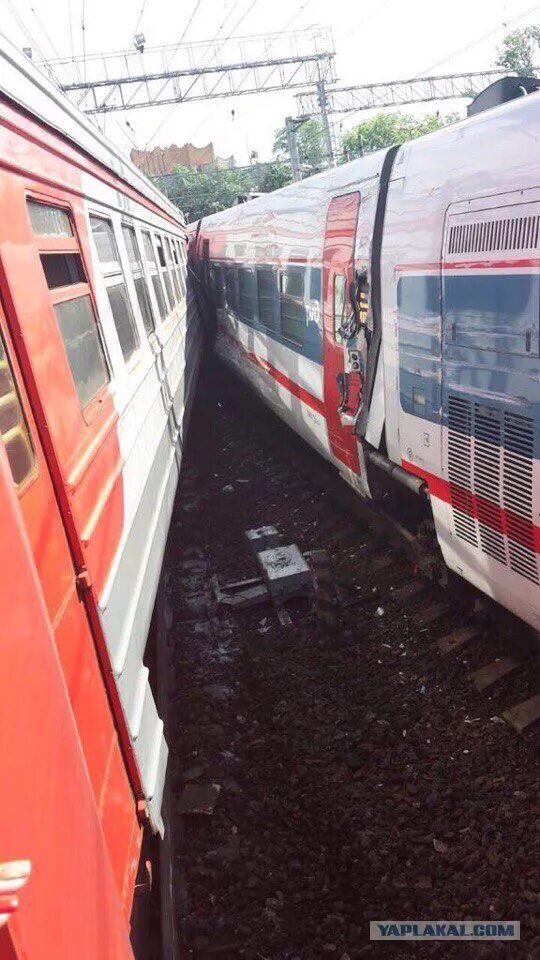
338, 274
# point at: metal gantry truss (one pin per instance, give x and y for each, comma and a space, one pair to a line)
130, 80
396, 93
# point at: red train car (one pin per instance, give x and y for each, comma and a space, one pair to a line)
98, 359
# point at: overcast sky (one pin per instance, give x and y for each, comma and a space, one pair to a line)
375, 40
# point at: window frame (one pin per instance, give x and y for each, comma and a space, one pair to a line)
182, 252
141, 274
246, 269
115, 278
153, 272
171, 266
231, 270
289, 298
264, 269
162, 269
14, 374
56, 243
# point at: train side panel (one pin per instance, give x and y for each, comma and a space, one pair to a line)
461, 344
267, 247
453, 400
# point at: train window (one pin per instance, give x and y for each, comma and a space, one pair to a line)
177, 250
163, 269
231, 288
62, 269
13, 427
171, 268
247, 293
75, 317
315, 284
267, 294
154, 275
103, 233
49, 221
340, 284
292, 307
139, 279
113, 275
83, 346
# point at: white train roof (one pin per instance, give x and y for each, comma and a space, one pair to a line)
25, 85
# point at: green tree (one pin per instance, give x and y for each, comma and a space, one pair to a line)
311, 146
386, 129
274, 176
200, 193
519, 51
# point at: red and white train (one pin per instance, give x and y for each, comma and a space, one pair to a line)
98, 360
388, 310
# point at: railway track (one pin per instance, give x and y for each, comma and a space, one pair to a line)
515, 646
400, 721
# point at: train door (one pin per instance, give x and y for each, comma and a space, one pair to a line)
338, 274
49, 329
49, 816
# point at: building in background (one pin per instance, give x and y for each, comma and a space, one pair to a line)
163, 160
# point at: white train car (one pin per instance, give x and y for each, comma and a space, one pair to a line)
388, 310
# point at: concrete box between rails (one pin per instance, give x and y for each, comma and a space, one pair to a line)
285, 571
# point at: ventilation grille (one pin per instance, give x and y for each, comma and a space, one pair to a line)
490, 466
488, 236
459, 468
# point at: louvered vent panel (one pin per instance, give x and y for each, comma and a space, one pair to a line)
490, 236
490, 467
459, 468
487, 480
518, 494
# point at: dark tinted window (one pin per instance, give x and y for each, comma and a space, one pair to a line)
267, 293
62, 269
315, 284
247, 293
292, 308
231, 284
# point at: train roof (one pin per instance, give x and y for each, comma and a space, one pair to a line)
25, 85
328, 182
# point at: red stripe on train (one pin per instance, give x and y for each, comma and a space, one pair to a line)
525, 262
289, 384
490, 514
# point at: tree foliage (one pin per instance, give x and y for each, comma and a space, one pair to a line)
520, 50
273, 177
386, 129
311, 145
201, 193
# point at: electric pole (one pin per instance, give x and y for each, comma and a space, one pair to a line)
322, 101
291, 126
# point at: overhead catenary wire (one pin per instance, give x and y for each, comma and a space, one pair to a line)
74, 63
83, 30
34, 45
139, 18
228, 37
485, 36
